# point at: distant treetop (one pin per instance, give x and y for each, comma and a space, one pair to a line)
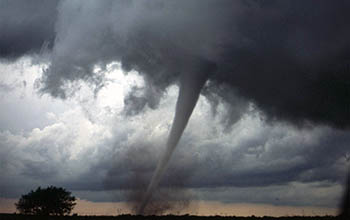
48, 201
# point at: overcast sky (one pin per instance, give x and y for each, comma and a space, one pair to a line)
88, 92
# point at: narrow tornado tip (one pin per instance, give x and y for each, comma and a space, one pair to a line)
345, 209
141, 208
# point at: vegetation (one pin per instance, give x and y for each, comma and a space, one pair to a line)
48, 201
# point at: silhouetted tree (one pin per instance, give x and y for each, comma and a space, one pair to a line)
49, 201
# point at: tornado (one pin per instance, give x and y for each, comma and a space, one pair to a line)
191, 84
345, 206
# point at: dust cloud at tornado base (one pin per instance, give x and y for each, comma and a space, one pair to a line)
170, 196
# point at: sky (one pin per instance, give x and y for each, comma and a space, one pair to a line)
89, 89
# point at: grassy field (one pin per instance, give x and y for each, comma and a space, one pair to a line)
166, 217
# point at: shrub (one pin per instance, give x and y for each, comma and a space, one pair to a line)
48, 201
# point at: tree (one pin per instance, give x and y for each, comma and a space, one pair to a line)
49, 201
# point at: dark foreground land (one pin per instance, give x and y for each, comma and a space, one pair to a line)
165, 217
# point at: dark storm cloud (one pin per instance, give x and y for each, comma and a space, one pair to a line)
289, 58
293, 61
26, 26
136, 100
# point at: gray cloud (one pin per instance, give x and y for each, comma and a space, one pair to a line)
5, 87
289, 58
26, 27
283, 61
267, 156
252, 156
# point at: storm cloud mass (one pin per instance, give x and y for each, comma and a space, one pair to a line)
281, 67
26, 28
290, 59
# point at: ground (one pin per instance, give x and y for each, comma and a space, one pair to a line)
167, 217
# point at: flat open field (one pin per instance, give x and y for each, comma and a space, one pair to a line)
166, 217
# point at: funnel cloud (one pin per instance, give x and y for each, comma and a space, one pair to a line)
190, 88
